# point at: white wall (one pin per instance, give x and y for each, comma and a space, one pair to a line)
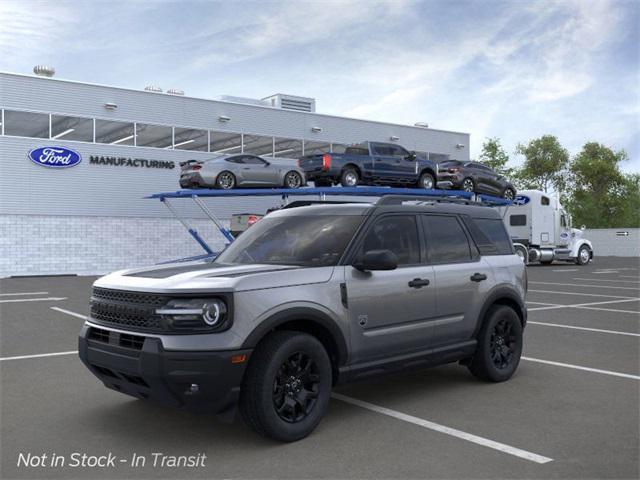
45, 245
607, 242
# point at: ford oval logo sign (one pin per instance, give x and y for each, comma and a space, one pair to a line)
521, 200
55, 157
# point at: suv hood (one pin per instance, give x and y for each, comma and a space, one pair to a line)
196, 277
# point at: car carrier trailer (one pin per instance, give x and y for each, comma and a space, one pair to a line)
321, 193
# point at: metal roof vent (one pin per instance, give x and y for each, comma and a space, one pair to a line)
175, 91
153, 88
421, 124
292, 102
44, 71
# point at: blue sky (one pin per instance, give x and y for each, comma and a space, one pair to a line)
514, 70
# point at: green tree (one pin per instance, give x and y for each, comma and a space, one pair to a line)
544, 165
494, 156
600, 195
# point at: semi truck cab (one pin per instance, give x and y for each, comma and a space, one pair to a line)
541, 230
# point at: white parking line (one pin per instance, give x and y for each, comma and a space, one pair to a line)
48, 299
485, 442
23, 293
611, 310
587, 286
582, 294
580, 367
572, 327
628, 276
567, 270
585, 305
40, 355
605, 272
605, 280
73, 314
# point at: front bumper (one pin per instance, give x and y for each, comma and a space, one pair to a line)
138, 365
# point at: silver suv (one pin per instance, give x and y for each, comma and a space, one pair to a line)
307, 298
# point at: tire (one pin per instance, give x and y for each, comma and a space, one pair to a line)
490, 362
427, 181
266, 386
349, 178
508, 194
584, 255
292, 179
468, 185
225, 180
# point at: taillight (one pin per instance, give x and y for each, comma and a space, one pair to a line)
326, 161
196, 167
251, 220
299, 162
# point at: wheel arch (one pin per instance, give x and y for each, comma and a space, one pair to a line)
506, 296
354, 166
307, 320
430, 171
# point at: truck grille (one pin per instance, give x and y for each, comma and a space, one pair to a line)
133, 310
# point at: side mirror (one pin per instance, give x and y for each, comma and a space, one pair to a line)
377, 260
412, 156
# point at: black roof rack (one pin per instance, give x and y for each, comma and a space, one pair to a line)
422, 199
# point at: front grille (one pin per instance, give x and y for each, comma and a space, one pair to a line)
99, 335
133, 310
122, 296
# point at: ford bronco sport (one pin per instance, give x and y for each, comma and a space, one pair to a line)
307, 298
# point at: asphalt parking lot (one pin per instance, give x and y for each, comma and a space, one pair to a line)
571, 411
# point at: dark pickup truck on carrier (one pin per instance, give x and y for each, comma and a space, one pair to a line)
371, 163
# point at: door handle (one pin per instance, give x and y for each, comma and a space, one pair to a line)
246, 168
478, 277
419, 283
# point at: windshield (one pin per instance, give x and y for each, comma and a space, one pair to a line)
309, 241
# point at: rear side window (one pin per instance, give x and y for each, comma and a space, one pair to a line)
518, 220
357, 151
490, 236
398, 233
446, 240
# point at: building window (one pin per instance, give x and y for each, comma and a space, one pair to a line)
258, 145
26, 124
71, 128
287, 148
157, 136
190, 139
225, 143
114, 133
313, 148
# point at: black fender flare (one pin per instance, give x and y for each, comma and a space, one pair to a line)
301, 314
498, 294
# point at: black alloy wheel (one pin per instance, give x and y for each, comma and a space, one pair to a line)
499, 345
296, 387
502, 345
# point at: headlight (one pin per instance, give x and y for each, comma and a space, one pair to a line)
208, 314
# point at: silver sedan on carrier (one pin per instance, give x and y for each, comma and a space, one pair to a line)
241, 170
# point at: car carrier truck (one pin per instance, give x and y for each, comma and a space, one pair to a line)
541, 230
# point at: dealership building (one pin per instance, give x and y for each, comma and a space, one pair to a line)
92, 217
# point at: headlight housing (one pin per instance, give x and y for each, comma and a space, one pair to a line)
196, 314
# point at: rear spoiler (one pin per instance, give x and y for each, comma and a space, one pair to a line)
188, 162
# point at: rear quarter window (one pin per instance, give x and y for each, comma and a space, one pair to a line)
490, 236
